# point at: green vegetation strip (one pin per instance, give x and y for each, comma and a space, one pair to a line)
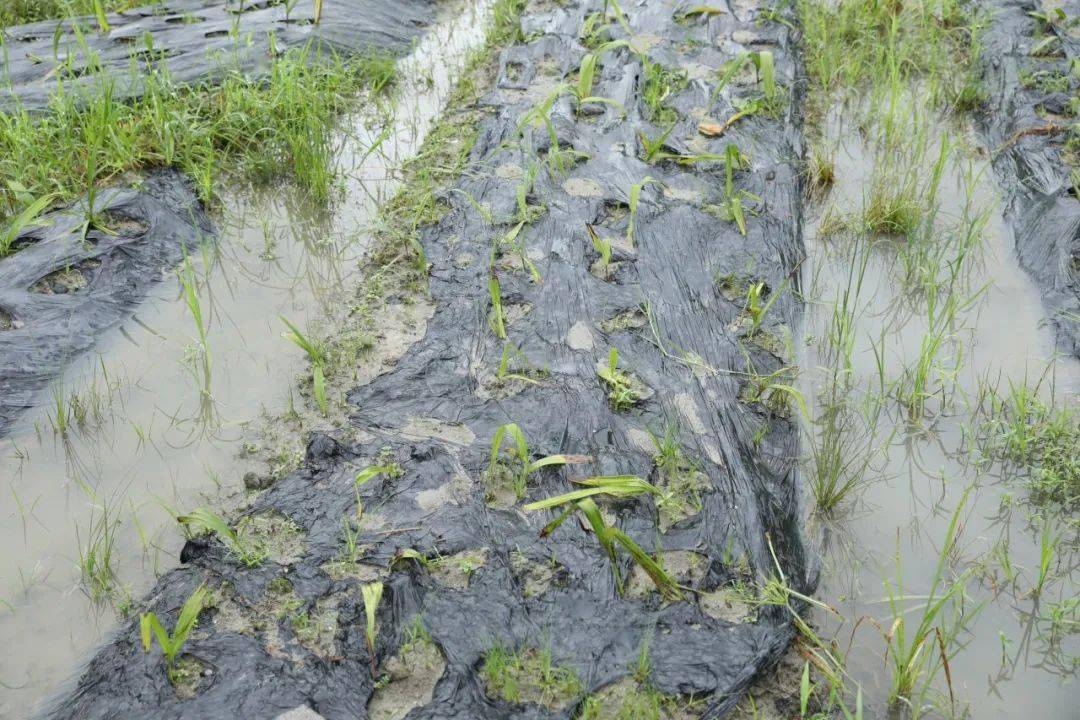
261, 130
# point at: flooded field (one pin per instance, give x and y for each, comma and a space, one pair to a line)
612, 360
914, 473
171, 409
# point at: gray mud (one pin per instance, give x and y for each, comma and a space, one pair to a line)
1030, 115
691, 357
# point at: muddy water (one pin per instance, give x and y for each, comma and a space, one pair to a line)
1006, 667
168, 423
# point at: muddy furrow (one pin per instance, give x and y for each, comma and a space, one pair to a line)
288, 634
1028, 122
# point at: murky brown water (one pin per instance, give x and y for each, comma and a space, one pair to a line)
1006, 668
166, 428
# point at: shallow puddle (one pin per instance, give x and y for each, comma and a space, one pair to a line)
1008, 663
158, 418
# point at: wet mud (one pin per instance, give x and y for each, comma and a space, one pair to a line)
286, 638
1028, 121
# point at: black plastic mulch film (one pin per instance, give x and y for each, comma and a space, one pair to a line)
61, 289
1033, 77
671, 278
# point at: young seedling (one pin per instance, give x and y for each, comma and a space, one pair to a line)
521, 464
208, 521
496, 320
22, 221
601, 245
618, 486
171, 644
372, 594
611, 537
624, 391
635, 200
317, 356
733, 197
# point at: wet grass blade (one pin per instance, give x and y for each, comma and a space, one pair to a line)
21, 222
372, 594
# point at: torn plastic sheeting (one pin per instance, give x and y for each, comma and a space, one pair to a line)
61, 288
438, 409
1027, 127
195, 40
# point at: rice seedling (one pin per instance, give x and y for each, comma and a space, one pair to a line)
247, 552
755, 308
660, 83
601, 245
654, 148
151, 628
96, 562
635, 200
496, 320
518, 464
25, 219
618, 486
372, 595
624, 390
733, 196
99, 15
528, 675
587, 70
921, 638
317, 355
1048, 544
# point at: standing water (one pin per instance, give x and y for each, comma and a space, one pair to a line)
157, 419
906, 342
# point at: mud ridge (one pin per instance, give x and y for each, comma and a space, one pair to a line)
489, 580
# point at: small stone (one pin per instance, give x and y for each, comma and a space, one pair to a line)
255, 481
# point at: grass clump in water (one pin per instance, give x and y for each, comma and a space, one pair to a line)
265, 130
1041, 439
851, 44
529, 676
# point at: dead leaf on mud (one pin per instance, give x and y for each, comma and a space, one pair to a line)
710, 128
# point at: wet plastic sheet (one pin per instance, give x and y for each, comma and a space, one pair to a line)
66, 285
195, 40
1028, 120
437, 410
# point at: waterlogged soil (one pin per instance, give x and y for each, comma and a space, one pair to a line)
427, 422
159, 421
1010, 660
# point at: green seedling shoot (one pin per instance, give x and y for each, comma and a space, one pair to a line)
635, 200
610, 538
497, 320
207, 520
372, 594
621, 387
521, 465
317, 357
150, 627
600, 245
